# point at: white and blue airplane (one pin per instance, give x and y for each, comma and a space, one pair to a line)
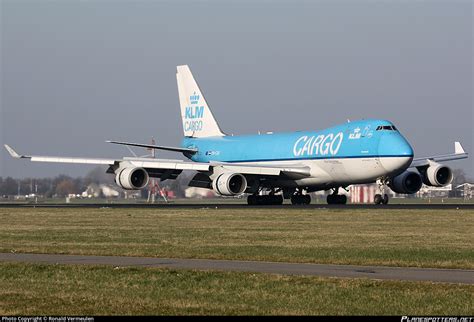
272, 167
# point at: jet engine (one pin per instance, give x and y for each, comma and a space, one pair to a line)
437, 175
408, 182
229, 184
131, 178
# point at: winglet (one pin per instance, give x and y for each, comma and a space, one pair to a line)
13, 152
458, 148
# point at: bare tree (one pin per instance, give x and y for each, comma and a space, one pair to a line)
65, 187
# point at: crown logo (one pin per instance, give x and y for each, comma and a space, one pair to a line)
194, 98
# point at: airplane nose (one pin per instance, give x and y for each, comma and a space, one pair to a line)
395, 153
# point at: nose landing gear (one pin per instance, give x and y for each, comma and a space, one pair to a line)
381, 198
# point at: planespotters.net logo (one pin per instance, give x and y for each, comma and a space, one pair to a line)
437, 319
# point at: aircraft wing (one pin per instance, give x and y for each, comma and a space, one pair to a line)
37, 158
167, 168
292, 171
139, 162
459, 153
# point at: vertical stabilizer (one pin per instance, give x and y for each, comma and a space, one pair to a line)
198, 120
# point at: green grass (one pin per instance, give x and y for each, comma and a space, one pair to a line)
420, 238
424, 238
98, 290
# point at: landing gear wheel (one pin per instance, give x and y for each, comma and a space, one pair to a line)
336, 199
378, 199
330, 199
381, 198
294, 200
342, 199
252, 200
276, 200
300, 199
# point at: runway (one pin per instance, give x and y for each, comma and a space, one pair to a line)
344, 271
178, 205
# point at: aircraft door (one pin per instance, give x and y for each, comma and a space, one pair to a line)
369, 146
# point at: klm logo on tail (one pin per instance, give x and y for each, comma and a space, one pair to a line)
194, 99
193, 114
196, 113
197, 118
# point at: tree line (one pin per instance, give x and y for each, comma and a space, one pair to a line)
64, 185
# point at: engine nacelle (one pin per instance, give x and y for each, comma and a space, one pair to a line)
437, 175
130, 178
408, 182
229, 184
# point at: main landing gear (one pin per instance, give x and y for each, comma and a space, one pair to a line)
336, 199
270, 199
295, 195
381, 198
300, 199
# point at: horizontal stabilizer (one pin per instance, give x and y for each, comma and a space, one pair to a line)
156, 147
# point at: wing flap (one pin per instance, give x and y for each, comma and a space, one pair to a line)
294, 172
174, 164
71, 160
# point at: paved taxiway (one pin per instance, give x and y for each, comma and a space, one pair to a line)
235, 206
347, 271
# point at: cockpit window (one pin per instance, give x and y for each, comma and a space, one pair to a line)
386, 128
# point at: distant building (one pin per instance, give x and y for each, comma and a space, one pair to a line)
362, 193
434, 192
466, 190
365, 193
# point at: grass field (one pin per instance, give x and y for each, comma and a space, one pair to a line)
424, 238
98, 290
420, 238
